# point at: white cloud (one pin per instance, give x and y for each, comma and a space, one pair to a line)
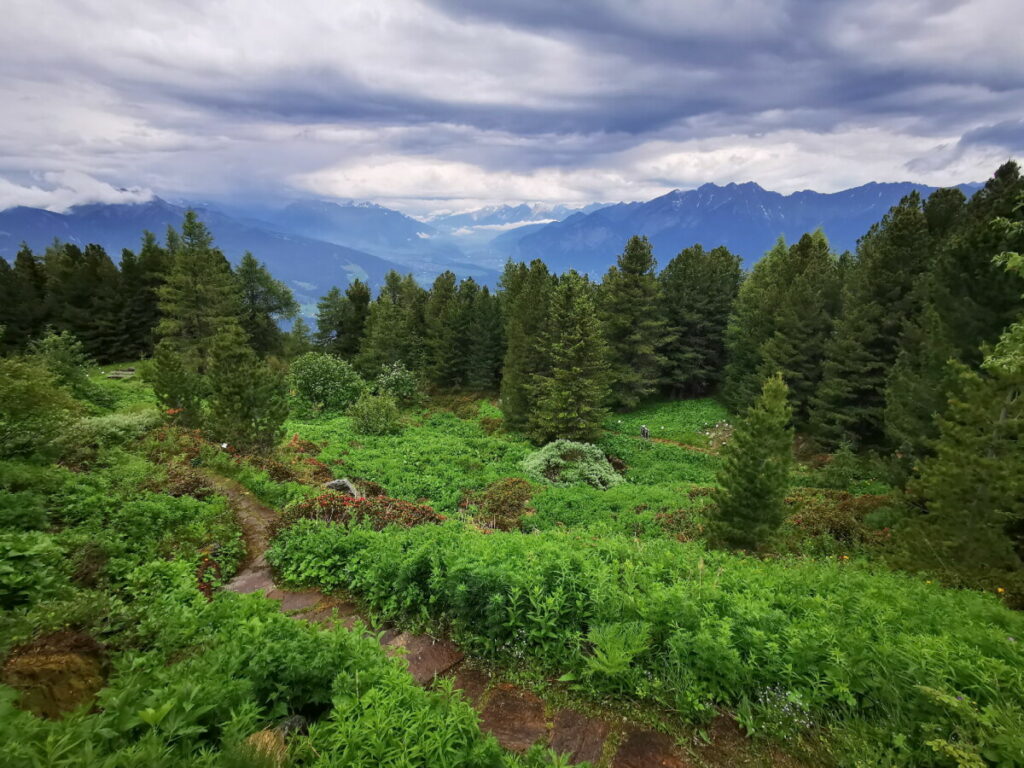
65, 189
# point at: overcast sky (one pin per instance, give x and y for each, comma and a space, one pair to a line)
451, 104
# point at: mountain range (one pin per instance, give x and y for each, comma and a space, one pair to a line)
313, 245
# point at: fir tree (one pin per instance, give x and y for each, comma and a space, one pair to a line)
633, 324
264, 303
141, 277
299, 340
571, 395
341, 319
749, 328
394, 327
966, 302
29, 314
330, 312
444, 366
879, 299
527, 313
808, 298
200, 298
177, 386
8, 308
486, 343
756, 464
248, 397
698, 289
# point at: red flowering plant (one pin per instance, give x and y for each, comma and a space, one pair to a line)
379, 511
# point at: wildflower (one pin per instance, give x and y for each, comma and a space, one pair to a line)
929, 581
1000, 590
846, 557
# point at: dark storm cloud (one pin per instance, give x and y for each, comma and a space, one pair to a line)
525, 99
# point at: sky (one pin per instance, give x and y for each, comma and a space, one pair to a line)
447, 105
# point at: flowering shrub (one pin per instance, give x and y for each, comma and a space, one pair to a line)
398, 382
375, 415
379, 511
565, 462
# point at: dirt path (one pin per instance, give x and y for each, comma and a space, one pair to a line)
515, 716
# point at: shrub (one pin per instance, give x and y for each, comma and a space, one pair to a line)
378, 511
33, 407
24, 510
503, 503
398, 382
324, 383
565, 462
375, 415
82, 439
65, 357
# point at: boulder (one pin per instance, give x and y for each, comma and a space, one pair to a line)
343, 485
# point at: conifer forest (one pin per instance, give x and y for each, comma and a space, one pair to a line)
680, 513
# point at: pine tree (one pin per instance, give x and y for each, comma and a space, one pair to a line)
486, 343
8, 308
178, 388
630, 310
248, 401
808, 283
29, 315
966, 301
200, 298
264, 303
141, 277
756, 464
443, 364
527, 313
394, 327
353, 322
750, 326
571, 395
698, 289
299, 340
330, 312
879, 300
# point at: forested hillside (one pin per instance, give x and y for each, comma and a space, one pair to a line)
686, 514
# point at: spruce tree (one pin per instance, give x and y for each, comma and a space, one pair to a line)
299, 340
29, 315
330, 312
756, 465
141, 277
525, 357
248, 401
879, 300
264, 303
177, 386
633, 324
570, 396
750, 326
443, 364
394, 327
353, 320
808, 298
8, 308
966, 302
486, 343
199, 299
698, 289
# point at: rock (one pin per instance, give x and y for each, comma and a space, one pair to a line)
581, 737
343, 485
427, 656
647, 749
472, 683
293, 724
515, 717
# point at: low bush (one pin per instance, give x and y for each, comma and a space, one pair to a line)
376, 511
375, 415
324, 383
871, 655
502, 504
565, 462
34, 408
83, 438
398, 382
23, 510
31, 567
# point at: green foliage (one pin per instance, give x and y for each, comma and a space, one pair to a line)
341, 319
756, 465
503, 504
397, 381
852, 645
33, 408
65, 357
30, 567
526, 299
565, 462
698, 289
264, 303
178, 390
630, 307
570, 396
82, 439
248, 401
375, 415
23, 510
324, 383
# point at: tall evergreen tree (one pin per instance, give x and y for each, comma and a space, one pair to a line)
486, 342
141, 277
299, 340
879, 299
750, 326
248, 397
633, 324
756, 465
527, 314
200, 297
444, 355
394, 327
8, 308
570, 396
330, 313
966, 302
264, 302
29, 315
341, 319
698, 289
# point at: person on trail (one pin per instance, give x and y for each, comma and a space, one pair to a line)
645, 433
